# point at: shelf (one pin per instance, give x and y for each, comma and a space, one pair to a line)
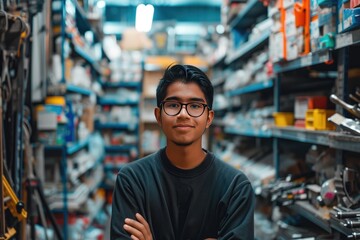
117, 126
120, 148
84, 168
251, 88
248, 16
219, 62
73, 148
77, 89
320, 217
83, 23
327, 138
109, 101
248, 48
70, 148
75, 198
315, 58
248, 132
83, 54
121, 84
347, 39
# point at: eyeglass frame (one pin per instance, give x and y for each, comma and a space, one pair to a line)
181, 107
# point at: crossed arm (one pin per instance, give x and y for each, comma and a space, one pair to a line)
139, 229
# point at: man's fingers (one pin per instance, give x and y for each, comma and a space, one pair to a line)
134, 238
134, 228
138, 229
143, 221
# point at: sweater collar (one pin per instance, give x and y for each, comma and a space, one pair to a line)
204, 165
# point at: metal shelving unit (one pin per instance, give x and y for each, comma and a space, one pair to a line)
111, 101
67, 150
253, 87
248, 15
248, 132
332, 60
248, 48
312, 59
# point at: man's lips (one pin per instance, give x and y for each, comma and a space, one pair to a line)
183, 126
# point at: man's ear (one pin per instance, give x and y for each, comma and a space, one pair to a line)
210, 118
157, 113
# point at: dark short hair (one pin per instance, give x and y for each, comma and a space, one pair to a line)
185, 74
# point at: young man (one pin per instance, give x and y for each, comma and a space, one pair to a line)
182, 191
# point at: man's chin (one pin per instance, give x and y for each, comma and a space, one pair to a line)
183, 143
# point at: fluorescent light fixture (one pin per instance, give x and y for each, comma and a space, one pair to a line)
144, 17
101, 4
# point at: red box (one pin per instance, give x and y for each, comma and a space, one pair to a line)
354, 3
304, 103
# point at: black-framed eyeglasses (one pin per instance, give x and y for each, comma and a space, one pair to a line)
173, 108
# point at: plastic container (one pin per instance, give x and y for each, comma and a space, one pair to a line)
316, 119
283, 119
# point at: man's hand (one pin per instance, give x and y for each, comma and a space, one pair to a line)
138, 229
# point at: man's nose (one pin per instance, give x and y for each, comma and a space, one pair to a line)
183, 110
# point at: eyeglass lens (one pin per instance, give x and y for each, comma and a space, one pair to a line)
193, 109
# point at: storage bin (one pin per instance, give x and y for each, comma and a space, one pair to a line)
283, 119
316, 119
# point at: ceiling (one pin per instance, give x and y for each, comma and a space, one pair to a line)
120, 14
166, 2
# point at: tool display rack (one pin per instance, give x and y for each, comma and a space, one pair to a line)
336, 62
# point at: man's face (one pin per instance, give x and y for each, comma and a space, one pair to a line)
184, 129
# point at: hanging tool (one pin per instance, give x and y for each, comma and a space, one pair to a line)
353, 109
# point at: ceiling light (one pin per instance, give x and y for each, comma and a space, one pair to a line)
100, 4
144, 17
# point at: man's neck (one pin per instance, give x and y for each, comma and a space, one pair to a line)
185, 157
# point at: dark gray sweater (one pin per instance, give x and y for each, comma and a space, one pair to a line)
213, 200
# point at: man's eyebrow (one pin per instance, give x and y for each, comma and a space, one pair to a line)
189, 100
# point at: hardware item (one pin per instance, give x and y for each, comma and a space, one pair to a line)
355, 98
357, 92
17, 30
350, 223
346, 124
327, 195
345, 214
15, 207
353, 109
350, 179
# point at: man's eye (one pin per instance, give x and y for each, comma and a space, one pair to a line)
195, 106
173, 105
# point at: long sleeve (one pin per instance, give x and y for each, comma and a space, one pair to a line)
124, 205
238, 220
